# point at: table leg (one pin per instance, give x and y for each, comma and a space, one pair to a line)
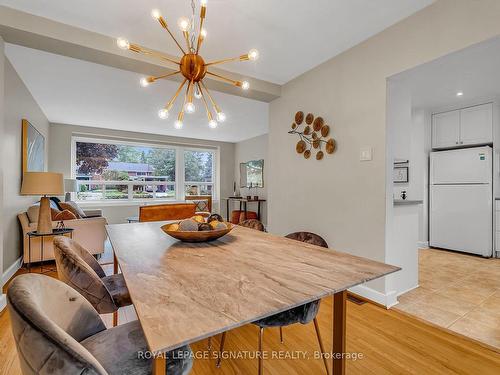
245, 207
227, 213
29, 254
258, 210
339, 320
115, 263
160, 365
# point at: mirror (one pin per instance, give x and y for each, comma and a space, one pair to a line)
252, 174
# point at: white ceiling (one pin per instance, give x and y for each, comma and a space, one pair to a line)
78, 92
475, 71
293, 36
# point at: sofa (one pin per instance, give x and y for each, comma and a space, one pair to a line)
90, 232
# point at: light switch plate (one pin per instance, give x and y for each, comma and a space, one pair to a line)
365, 154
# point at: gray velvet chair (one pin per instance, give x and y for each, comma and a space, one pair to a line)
79, 269
57, 331
302, 314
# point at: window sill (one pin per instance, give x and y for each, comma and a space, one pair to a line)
99, 204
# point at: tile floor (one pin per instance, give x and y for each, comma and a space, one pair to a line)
459, 292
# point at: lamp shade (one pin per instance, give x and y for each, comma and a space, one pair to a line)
42, 183
70, 185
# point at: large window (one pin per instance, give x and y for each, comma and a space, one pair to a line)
126, 171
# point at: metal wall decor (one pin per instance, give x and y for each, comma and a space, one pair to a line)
313, 133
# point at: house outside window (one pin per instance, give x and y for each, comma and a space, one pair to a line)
125, 171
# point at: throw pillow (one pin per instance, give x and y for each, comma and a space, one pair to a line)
64, 215
201, 205
73, 207
33, 213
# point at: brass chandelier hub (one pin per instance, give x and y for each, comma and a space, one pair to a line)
193, 67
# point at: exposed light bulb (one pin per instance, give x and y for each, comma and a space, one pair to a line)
122, 43
183, 23
155, 13
221, 116
203, 3
245, 85
212, 124
253, 54
460, 93
163, 113
144, 82
189, 107
178, 124
203, 33
197, 93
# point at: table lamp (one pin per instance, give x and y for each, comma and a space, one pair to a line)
43, 183
70, 186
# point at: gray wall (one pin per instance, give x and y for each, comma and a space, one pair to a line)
60, 159
252, 149
19, 104
341, 198
2, 79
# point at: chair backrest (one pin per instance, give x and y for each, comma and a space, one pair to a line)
308, 237
253, 224
48, 320
161, 212
199, 198
73, 269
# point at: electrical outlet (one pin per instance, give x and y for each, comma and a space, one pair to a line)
365, 154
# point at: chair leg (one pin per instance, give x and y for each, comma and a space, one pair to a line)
222, 341
321, 347
281, 335
115, 318
261, 360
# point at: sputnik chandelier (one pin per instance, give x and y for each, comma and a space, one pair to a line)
192, 67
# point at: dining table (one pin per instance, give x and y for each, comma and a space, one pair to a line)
184, 292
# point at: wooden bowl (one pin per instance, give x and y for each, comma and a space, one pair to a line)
198, 236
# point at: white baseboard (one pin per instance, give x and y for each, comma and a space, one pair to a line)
423, 244
388, 300
3, 302
11, 271
408, 290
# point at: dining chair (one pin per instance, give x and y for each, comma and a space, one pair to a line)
253, 224
169, 211
79, 269
302, 314
57, 331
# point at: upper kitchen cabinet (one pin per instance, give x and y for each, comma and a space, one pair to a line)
463, 127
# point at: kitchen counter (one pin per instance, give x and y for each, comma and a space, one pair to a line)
406, 202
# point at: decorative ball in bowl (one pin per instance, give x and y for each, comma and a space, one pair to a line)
198, 229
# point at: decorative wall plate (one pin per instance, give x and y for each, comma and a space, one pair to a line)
312, 138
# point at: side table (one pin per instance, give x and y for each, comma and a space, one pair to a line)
34, 234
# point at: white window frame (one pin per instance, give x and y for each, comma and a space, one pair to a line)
179, 182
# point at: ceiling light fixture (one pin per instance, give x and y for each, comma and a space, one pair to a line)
191, 65
460, 93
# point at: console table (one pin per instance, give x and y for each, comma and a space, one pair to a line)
243, 205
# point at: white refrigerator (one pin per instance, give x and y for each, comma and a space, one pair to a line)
461, 200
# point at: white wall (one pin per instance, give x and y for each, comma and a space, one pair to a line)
340, 197
252, 149
2, 81
60, 160
19, 104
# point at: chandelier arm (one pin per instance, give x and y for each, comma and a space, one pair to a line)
163, 24
232, 81
186, 36
169, 105
151, 79
139, 49
190, 92
209, 112
217, 108
203, 13
223, 61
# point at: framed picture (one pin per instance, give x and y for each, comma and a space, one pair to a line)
33, 148
400, 175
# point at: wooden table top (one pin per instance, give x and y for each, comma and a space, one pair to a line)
185, 292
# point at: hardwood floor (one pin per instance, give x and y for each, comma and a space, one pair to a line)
390, 342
